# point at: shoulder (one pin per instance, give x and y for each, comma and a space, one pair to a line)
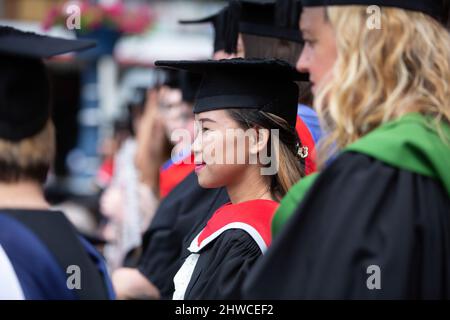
42, 279
237, 237
252, 217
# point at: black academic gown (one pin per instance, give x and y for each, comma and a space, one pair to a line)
360, 215
45, 251
185, 210
221, 255
222, 268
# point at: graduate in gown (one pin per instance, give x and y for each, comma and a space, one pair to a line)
270, 30
186, 208
239, 95
375, 223
41, 254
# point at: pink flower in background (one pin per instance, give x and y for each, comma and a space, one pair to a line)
136, 20
116, 10
133, 20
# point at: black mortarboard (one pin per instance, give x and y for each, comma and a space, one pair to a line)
264, 84
24, 85
277, 19
171, 79
438, 9
189, 84
226, 27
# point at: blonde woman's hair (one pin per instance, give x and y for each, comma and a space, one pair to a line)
28, 159
382, 74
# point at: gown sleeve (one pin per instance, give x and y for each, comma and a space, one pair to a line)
223, 267
365, 230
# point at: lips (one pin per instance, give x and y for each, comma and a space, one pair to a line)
199, 167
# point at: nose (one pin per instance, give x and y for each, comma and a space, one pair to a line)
303, 62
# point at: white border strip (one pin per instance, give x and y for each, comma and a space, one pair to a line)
194, 248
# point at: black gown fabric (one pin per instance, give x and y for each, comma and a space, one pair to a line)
186, 209
360, 213
222, 267
52, 233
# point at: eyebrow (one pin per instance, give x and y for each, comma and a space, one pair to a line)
206, 119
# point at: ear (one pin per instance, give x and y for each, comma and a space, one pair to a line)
259, 140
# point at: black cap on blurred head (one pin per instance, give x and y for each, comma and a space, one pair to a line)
226, 27
263, 84
185, 81
189, 84
277, 19
171, 79
24, 85
438, 9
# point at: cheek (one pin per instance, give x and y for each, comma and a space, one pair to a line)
322, 63
327, 57
219, 175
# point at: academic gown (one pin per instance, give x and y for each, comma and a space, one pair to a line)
221, 256
185, 210
367, 229
43, 258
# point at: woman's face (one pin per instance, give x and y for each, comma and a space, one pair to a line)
219, 158
319, 53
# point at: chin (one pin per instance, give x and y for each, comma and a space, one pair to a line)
208, 182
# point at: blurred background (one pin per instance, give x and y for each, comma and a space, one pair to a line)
94, 91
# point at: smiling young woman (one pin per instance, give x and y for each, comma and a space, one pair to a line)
254, 96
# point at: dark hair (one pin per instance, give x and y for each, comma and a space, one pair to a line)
265, 48
291, 165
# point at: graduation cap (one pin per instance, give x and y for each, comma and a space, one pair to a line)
189, 84
171, 79
438, 9
263, 84
277, 19
24, 84
226, 27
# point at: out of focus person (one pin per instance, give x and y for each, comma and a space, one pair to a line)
227, 41
41, 254
127, 203
270, 30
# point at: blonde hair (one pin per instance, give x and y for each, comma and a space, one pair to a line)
382, 74
28, 159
